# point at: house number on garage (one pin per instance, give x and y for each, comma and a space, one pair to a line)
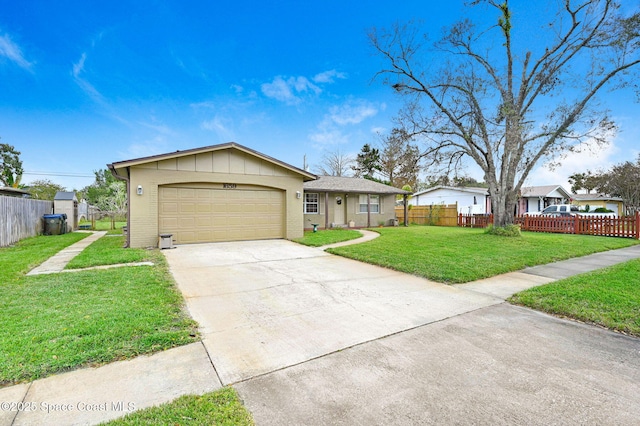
229, 186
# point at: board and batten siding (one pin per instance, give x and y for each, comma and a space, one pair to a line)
21, 218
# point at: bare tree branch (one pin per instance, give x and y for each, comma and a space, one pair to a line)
545, 102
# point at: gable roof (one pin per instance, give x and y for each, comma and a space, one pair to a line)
65, 196
543, 191
468, 189
595, 197
143, 160
350, 184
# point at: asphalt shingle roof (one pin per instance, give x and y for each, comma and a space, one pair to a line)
542, 191
350, 184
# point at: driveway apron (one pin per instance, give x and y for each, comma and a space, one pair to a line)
266, 305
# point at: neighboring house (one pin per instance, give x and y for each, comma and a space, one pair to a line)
224, 192
594, 201
536, 198
14, 192
470, 200
332, 201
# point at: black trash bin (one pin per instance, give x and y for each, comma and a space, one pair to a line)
55, 224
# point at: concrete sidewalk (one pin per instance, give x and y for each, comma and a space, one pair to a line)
506, 285
57, 262
94, 395
390, 364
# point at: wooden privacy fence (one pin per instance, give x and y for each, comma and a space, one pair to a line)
625, 226
21, 218
437, 214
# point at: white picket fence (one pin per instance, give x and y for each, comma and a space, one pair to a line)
21, 218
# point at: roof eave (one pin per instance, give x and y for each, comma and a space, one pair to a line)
143, 160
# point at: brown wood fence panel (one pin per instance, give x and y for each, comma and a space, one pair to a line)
475, 220
438, 214
625, 226
21, 218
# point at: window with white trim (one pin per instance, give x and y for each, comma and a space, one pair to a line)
374, 200
311, 203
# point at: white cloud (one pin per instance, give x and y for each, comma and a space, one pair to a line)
337, 126
160, 128
12, 51
78, 67
77, 73
221, 126
157, 145
353, 112
328, 76
329, 137
203, 104
592, 157
288, 90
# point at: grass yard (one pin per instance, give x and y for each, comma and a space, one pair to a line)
108, 251
608, 297
105, 225
59, 322
222, 407
458, 255
23, 256
327, 236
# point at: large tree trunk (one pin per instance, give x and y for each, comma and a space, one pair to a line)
503, 204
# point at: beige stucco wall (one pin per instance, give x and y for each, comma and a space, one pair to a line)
228, 166
593, 204
352, 211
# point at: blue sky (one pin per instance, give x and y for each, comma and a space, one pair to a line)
83, 84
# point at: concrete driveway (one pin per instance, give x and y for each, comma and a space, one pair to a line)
315, 339
266, 305
500, 365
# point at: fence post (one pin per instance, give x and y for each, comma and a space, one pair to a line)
576, 224
637, 225
459, 219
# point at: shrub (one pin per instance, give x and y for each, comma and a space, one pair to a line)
504, 231
602, 210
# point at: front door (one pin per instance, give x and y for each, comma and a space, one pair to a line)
338, 212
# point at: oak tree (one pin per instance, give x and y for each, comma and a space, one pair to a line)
509, 98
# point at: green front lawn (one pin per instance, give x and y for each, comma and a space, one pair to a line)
108, 250
105, 225
458, 255
59, 322
222, 407
608, 297
26, 254
327, 236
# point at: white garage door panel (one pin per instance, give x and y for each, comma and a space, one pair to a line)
195, 215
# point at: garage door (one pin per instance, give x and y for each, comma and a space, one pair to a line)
197, 215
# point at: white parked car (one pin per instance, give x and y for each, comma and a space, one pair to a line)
556, 210
566, 210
